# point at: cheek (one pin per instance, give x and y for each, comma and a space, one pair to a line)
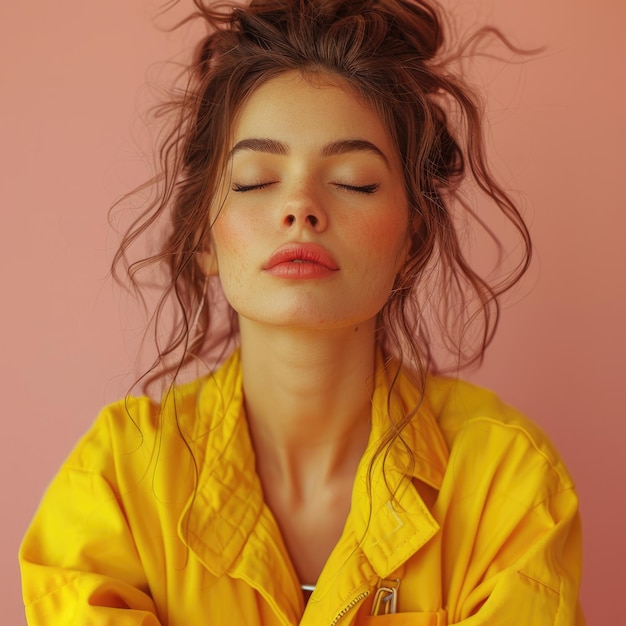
227, 253
387, 240
230, 237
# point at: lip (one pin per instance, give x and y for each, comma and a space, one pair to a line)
301, 260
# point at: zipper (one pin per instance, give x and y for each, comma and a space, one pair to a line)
349, 607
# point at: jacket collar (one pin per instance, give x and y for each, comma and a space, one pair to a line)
228, 501
228, 508
397, 523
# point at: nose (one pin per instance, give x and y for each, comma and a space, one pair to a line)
303, 209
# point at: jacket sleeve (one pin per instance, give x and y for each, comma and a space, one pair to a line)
516, 544
79, 562
539, 587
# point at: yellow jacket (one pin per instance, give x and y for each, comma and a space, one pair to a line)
484, 532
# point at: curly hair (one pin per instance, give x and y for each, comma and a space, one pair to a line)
394, 56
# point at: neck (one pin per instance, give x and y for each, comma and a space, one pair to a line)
308, 401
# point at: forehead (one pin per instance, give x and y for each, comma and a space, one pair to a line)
305, 110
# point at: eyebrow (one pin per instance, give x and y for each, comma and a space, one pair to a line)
343, 146
270, 146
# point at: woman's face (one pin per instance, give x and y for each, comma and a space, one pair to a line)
312, 225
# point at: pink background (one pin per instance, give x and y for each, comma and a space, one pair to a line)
72, 76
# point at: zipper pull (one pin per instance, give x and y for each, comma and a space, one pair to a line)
386, 597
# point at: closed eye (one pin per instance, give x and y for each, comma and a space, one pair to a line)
359, 188
243, 188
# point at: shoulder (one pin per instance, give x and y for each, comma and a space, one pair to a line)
143, 426
483, 431
122, 430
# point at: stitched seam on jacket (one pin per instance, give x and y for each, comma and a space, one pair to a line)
539, 582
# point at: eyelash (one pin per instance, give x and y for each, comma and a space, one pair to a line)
243, 188
365, 189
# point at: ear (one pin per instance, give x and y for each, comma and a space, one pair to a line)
207, 262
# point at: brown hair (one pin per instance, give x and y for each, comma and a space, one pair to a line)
392, 53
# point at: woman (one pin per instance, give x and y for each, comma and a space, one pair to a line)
323, 474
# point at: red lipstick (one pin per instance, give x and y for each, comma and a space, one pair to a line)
301, 260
